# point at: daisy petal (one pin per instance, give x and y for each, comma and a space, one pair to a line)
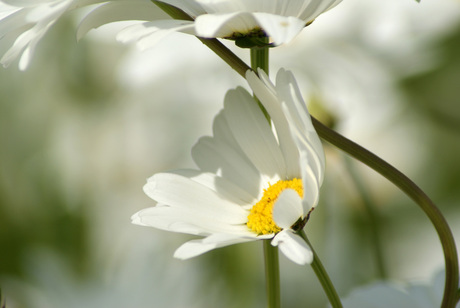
185, 221
181, 192
197, 247
223, 25
147, 34
227, 189
253, 133
287, 209
302, 128
280, 28
293, 247
118, 11
265, 91
212, 155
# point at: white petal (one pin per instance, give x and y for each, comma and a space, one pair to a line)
211, 155
222, 25
197, 247
265, 92
293, 247
310, 183
118, 11
148, 34
287, 209
181, 192
185, 221
316, 8
253, 133
226, 189
280, 28
302, 128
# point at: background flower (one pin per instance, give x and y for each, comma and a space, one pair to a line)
277, 19
383, 294
23, 23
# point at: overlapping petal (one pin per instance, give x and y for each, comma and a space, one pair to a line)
243, 158
26, 22
280, 20
293, 124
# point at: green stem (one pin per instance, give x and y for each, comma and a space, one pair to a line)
374, 222
415, 193
272, 275
368, 158
259, 59
322, 275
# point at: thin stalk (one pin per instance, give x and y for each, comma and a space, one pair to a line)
272, 275
374, 221
259, 59
416, 194
379, 165
322, 275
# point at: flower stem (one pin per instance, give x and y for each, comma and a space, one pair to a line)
368, 158
272, 275
415, 193
374, 222
322, 275
259, 59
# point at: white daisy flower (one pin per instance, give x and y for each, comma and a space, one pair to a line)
253, 181
281, 20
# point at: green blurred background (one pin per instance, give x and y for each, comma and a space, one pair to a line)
88, 122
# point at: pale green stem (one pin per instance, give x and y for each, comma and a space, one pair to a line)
322, 275
416, 194
259, 59
368, 158
374, 221
272, 275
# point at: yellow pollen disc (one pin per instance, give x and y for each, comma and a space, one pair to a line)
260, 219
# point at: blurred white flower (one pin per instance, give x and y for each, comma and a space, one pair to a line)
384, 294
23, 23
281, 20
252, 183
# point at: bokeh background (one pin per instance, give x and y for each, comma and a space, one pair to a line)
88, 122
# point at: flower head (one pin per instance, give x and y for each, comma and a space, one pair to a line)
253, 181
280, 20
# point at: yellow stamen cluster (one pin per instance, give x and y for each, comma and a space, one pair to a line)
260, 219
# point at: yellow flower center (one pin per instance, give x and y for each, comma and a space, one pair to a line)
260, 219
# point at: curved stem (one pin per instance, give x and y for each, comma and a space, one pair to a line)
368, 158
415, 193
322, 275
